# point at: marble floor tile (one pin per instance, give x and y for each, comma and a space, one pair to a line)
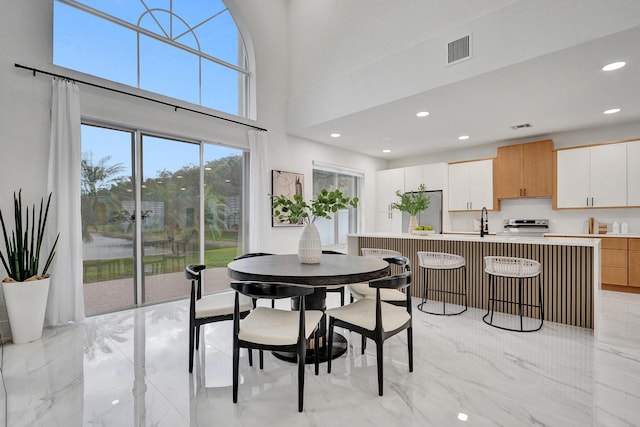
130, 369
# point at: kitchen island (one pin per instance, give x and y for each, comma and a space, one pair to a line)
569, 267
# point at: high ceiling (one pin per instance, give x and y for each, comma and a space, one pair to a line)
562, 91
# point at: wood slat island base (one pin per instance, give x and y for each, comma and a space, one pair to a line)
570, 268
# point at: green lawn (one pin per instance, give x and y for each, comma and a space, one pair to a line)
120, 268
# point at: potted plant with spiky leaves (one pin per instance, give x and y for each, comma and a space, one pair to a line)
27, 286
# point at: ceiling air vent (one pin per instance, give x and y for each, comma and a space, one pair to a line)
522, 126
458, 50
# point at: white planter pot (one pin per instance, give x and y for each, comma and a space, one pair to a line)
26, 303
309, 246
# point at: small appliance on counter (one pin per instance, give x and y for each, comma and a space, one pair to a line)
525, 227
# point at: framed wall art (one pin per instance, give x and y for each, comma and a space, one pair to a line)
287, 184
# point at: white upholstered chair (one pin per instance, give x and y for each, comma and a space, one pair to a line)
209, 308
273, 329
376, 319
362, 290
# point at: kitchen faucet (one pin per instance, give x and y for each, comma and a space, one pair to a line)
484, 222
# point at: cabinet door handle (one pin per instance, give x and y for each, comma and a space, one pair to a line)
524, 191
592, 202
587, 201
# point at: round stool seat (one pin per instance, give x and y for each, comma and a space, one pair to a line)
526, 302
453, 292
440, 260
511, 267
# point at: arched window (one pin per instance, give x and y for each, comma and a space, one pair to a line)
186, 49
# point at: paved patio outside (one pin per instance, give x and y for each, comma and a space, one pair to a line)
114, 295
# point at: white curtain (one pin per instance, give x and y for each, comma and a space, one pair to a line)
66, 301
259, 202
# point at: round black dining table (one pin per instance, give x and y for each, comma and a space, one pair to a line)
332, 270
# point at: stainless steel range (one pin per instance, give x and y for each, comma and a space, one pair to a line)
526, 227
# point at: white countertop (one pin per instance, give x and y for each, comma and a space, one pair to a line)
594, 236
475, 237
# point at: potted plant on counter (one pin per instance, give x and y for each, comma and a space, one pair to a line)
27, 286
412, 203
297, 211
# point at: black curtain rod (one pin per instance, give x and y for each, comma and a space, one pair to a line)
175, 107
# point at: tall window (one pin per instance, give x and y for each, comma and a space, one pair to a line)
333, 232
186, 49
145, 217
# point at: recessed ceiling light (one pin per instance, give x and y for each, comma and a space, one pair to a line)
462, 416
335, 135
422, 114
386, 151
463, 137
612, 111
614, 66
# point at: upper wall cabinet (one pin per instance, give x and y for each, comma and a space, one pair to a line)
524, 170
471, 185
387, 183
633, 173
592, 177
432, 176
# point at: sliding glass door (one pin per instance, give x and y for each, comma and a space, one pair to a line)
140, 233
107, 203
170, 215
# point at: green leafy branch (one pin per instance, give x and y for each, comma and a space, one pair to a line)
412, 203
298, 211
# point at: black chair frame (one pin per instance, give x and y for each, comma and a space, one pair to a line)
251, 255
403, 262
274, 290
402, 281
339, 290
193, 272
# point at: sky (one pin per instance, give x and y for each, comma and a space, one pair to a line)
96, 46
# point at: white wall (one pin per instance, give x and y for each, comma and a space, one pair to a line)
351, 56
26, 37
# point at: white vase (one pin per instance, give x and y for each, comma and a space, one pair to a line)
413, 223
26, 303
309, 246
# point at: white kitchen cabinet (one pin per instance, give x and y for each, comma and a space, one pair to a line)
471, 185
633, 173
574, 175
413, 177
387, 183
592, 176
432, 176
